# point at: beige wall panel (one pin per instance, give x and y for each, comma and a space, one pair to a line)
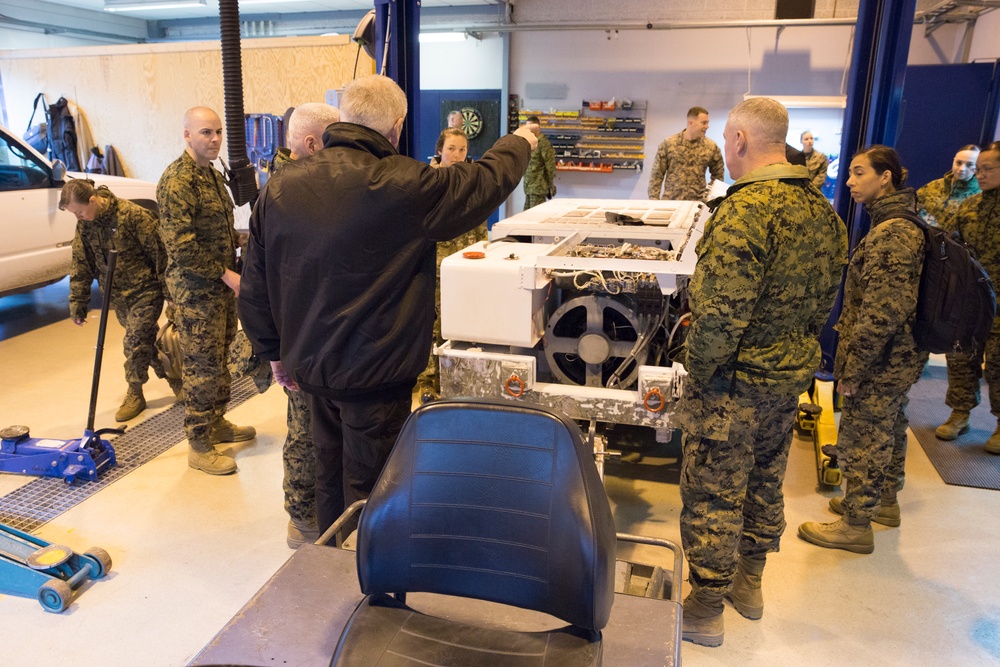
134, 96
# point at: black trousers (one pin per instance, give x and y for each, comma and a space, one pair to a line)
353, 440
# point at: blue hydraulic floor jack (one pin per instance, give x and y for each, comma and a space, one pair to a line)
77, 460
29, 566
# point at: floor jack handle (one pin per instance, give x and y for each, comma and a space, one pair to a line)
101, 331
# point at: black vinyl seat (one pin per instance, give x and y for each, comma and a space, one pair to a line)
492, 501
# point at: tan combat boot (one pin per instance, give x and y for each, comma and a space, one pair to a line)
957, 424
840, 534
300, 532
226, 431
702, 618
133, 404
212, 461
993, 444
746, 594
887, 515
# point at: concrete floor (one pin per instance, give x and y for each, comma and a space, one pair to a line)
189, 549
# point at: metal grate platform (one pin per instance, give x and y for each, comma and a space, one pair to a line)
38, 502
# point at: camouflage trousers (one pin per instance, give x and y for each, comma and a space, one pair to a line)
140, 320
530, 200
872, 444
735, 453
964, 371
206, 324
298, 457
429, 379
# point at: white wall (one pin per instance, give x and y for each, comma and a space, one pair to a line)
986, 42
946, 44
468, 65
673, 71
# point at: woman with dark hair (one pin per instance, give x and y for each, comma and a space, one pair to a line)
105, 222
452, 148
877, 358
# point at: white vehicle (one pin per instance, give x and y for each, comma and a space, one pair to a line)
577, 305
35, 236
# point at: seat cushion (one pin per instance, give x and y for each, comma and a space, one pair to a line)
383, 632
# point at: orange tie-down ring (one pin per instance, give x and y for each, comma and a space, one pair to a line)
514, 382
659, 402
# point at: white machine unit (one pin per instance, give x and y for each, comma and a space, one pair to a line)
575, 304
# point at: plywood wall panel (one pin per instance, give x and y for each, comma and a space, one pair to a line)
134, 96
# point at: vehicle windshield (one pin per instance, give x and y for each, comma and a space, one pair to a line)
19, 169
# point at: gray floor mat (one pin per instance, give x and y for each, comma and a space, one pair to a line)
36, 503
963, 461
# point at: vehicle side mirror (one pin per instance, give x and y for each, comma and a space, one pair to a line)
58, 171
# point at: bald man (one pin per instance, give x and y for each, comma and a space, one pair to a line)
196, 225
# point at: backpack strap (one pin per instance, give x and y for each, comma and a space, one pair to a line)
34, 107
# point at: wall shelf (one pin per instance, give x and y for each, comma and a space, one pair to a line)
602, 136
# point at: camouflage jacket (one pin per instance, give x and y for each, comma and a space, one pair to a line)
196, 225
880, 299
768, 271
131, 230
938, 201
679, 168
817, 163
978, 223
282, 156
540, 177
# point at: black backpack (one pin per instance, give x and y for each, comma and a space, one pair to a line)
62, 134
956, 303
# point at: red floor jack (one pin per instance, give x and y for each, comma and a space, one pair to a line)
29, 566
80, 459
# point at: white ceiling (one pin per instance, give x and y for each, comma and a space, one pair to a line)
269, 7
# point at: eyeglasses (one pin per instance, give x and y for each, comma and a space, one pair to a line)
988, 169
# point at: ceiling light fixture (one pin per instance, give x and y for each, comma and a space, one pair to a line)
139, 6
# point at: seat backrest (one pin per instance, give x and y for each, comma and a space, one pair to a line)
494, 501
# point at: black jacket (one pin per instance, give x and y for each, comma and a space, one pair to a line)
338, 281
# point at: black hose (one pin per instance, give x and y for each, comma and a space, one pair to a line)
242, 179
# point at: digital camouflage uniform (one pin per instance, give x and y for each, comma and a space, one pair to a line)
281, 157
769, 267
138, 284
298, 455
196, 225
430, 380
817, 164
978, 223
938, 201
540, 178
679, 168
877, 355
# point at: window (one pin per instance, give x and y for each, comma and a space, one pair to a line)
19, 169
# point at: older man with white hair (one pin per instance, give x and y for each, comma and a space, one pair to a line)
769, 266
338, 287
304, 135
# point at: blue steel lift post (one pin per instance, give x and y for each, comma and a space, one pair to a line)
874, 101
398, 56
